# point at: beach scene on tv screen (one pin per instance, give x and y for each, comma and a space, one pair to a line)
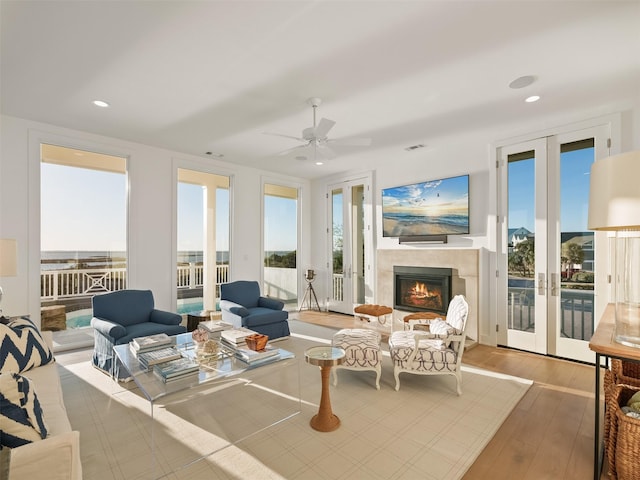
438, 207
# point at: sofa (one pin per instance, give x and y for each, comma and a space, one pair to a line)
243, 306
119, 317
26, 360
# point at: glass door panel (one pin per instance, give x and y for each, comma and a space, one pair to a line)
351, 245
573, 247
524, 259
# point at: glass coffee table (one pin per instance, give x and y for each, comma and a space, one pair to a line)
227, 399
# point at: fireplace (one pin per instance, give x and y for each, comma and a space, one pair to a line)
422, 289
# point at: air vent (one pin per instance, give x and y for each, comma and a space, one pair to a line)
414, 147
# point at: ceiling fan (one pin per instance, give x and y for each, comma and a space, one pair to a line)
316, 144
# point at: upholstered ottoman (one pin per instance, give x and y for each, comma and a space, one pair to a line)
362, 349
366, 312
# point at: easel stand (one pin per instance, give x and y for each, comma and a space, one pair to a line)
309, 297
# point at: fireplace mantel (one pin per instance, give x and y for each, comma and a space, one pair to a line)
464, 280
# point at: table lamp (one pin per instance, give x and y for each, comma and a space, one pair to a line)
614, 205
8, 261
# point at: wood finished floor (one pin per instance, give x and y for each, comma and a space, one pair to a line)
549, 435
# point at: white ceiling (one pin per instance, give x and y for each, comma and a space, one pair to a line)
214, 75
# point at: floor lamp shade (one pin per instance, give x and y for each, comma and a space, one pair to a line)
614, 205
614, 194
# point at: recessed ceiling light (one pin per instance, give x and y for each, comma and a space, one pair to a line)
532, 98
100, 103
522, 82
319, 163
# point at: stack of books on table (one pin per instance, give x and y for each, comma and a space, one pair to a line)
160, 355
236, 337
214, 327
176, 369
253, 357
150, 342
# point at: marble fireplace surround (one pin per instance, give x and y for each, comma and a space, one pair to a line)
464, 279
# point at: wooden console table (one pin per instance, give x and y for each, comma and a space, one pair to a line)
603, 344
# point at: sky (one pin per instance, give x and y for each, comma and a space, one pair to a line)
84, 210
574, 187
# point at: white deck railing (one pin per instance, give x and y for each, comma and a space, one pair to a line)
59, 284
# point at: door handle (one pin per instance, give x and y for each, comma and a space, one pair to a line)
542, 287
555, 284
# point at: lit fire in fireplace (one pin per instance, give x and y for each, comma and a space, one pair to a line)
421, 291
422, 295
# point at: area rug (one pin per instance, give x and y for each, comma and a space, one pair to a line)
422, 431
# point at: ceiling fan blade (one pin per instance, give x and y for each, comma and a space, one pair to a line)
325, 152
291, 150
323, 127
285, 136
351, 142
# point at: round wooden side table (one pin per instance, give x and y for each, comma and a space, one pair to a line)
324, 357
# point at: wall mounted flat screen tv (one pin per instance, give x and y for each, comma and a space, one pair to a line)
437, 207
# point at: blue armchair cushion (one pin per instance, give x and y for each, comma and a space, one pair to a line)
242, 292
271, 303
243, 312
127, 306
108, 329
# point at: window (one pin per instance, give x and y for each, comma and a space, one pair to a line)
280, 242
83, 233
203, 239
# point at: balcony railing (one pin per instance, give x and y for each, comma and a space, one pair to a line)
576, 311
65, 284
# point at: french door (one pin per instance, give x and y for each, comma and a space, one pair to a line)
550, 286
350, 244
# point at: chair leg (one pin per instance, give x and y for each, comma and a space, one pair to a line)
396, 374
378, 372
459, 382
334, 372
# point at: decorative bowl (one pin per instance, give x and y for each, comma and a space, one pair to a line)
199, 336
257, 342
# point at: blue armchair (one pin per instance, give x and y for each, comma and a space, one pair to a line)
242, 306
121, 316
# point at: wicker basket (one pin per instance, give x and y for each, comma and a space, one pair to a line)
621, 373
627, 373
623, 441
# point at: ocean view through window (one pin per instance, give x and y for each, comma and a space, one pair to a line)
83, 213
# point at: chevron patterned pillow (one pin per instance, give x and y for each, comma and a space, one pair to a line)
22, 347
21, 419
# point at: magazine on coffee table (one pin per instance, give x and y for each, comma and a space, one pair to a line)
236, 336
213, 326
150, 342
251, 356
148, 359
175, 368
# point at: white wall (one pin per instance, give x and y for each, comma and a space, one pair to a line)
152, 190
470, 153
